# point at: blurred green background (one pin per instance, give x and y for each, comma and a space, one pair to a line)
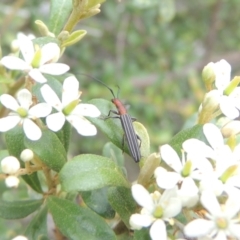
153, 49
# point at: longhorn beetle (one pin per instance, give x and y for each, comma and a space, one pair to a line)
126, 122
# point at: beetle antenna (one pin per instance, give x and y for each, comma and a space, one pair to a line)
96, 79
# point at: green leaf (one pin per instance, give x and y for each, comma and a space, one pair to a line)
113, 152
147, 170
41, 41
178, 139
142, 234
145, 141
112, 128
37, 229
74, 38
98, 202
87, 172
60, 10
15, 144
122, 202
49, 149
77, 222
18, 209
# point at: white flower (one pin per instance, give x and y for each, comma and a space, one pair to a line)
156, 209
219, 223
225, 176
222, 70
229, 104
70, 109
12, 181
36, 61
22, 113
184, 172
15, 42
10, 165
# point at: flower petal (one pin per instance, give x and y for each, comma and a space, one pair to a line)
24, 97
158, 230
227, 106
51, 97
234, 229
37, 76
49, 51
55, 121
82, 125
170, 203
40, 110
210, 202
188, 193
222, 71
9, 122
9, 102
137, 221
198, 228
142, 196
168, 180
70, 90
196, 147
15, 63
26, 47
213, 135
32, 131
54, 68
88, 110
170, 156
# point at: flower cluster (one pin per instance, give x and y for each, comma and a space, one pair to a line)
27, 113
205, 175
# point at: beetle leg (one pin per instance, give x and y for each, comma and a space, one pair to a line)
139, 140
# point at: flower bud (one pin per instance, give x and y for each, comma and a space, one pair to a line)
12, 181
20, 238
10, 165
211, 101
43, 29
231, 128
208, 74
27, 155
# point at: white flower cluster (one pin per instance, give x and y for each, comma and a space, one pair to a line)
205, 175
35, 62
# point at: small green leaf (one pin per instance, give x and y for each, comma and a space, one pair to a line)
113, 152
49, 149
44, 40
178, 139
147, 170
87, 172
37, 229
145, 141
142, 234
15, 144
77, 222
122, 202
18, 209
60, 10
98, 202
74, 38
